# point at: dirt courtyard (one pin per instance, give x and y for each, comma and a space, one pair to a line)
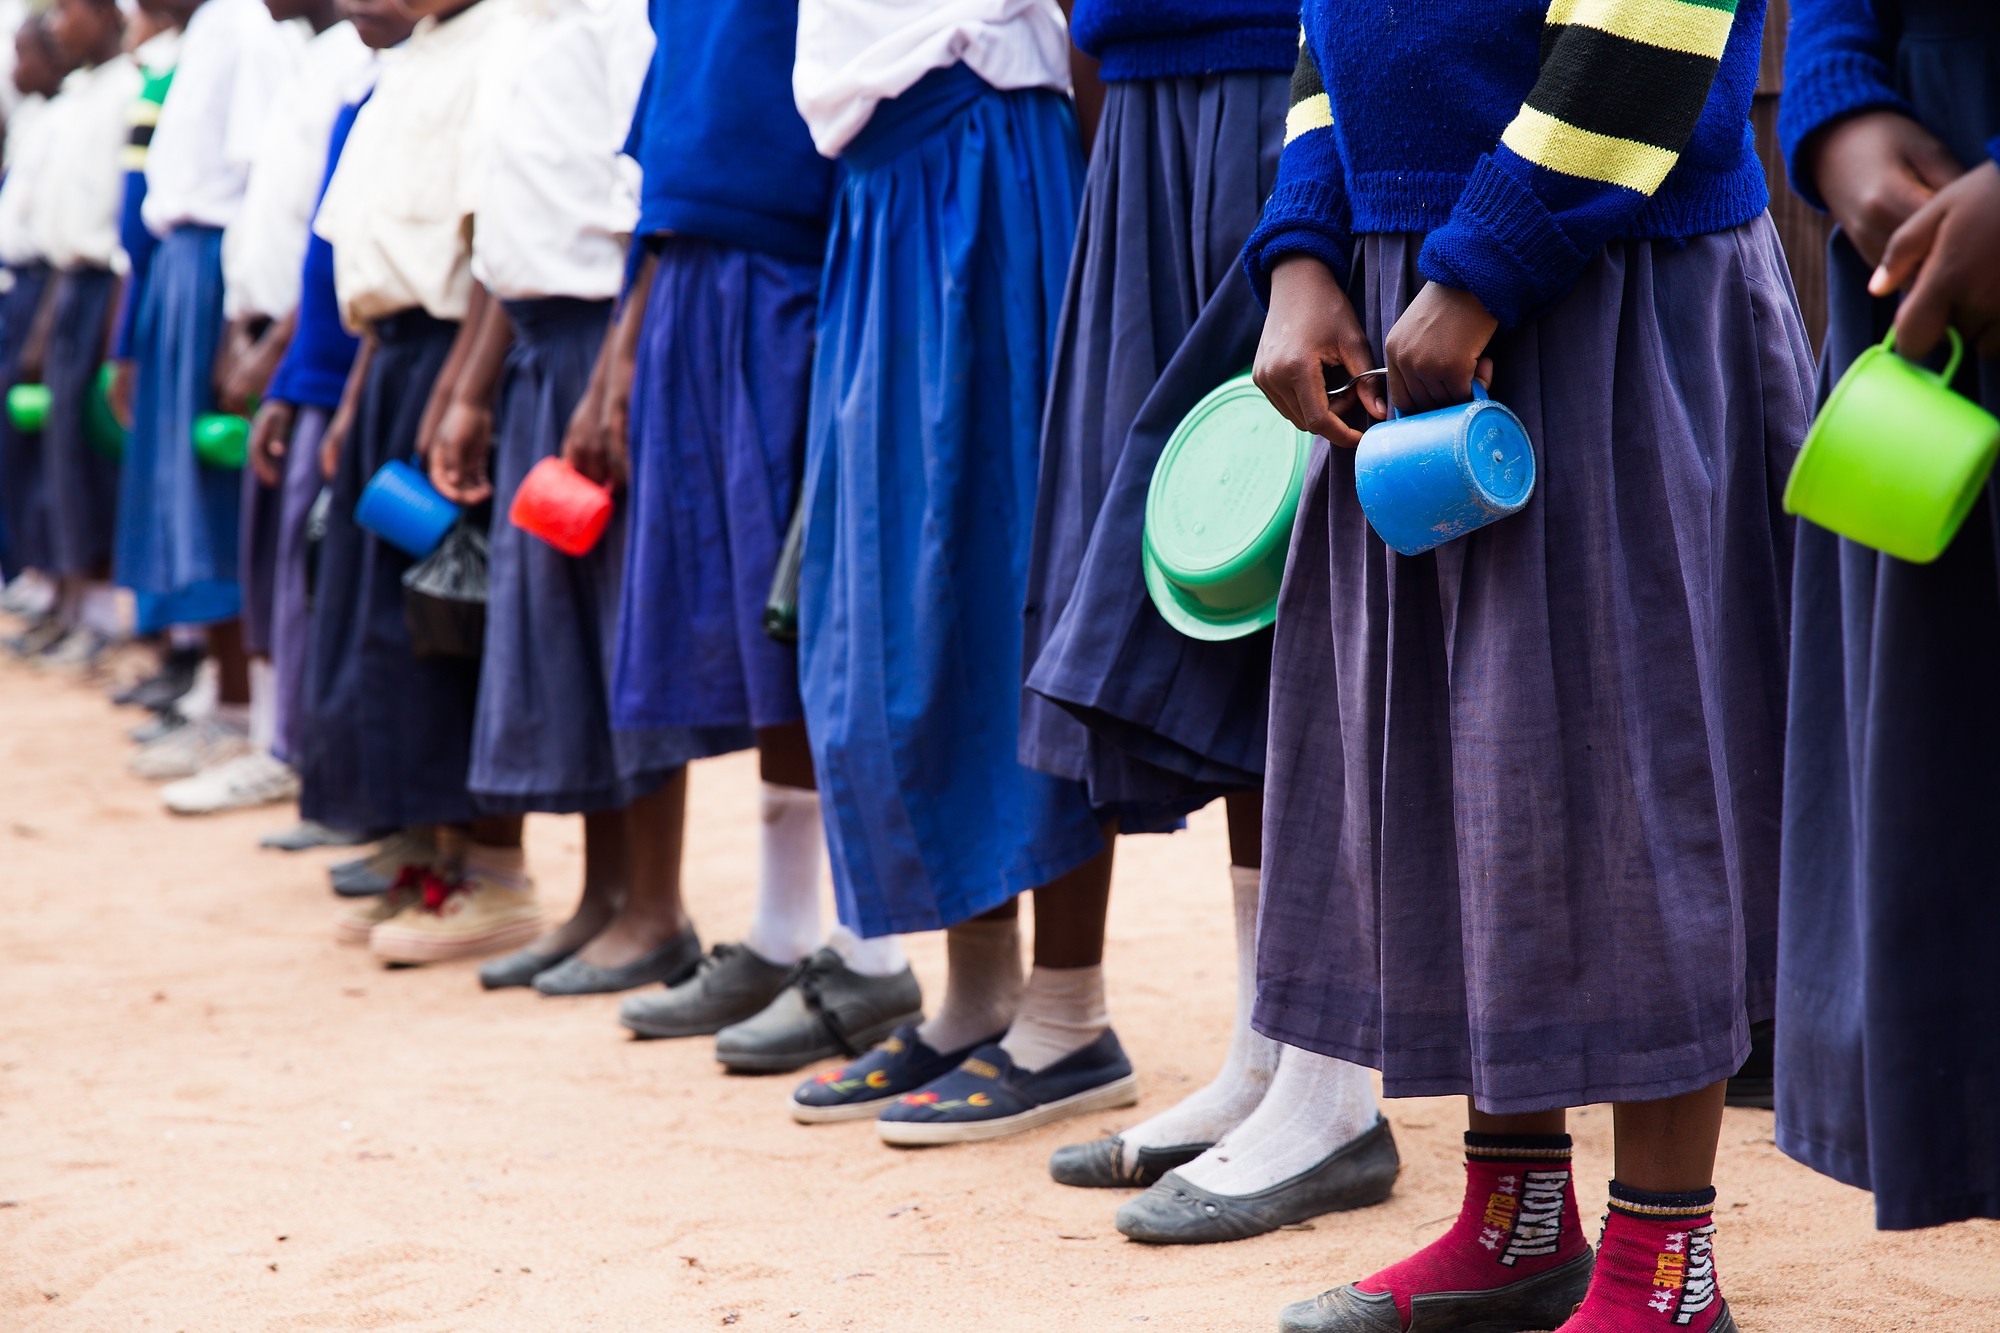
214, 1118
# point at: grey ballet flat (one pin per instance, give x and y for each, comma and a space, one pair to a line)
517, 969
671, 962
1543, 1301
1100, 1164
1177, 1212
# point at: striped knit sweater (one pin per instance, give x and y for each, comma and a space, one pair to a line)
1519, 136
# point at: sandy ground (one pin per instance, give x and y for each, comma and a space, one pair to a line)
211, 1117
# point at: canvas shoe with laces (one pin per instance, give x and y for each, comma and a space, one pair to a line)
186, 751
355, 924
238, 784
468, 917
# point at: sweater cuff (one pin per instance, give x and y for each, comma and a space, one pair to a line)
1306, 217
1502, 244
1837, 84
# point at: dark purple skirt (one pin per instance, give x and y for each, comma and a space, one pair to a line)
81, 485
1156, 314
1521, 813
287, 631
24, 512
542, 740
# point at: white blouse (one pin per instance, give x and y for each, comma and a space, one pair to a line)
854, 54
81, 192
27, 155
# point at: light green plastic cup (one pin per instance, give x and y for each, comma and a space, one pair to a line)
1219, 514
28, 407
1895, 459
222, 440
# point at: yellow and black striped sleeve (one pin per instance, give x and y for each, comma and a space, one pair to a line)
1307, 211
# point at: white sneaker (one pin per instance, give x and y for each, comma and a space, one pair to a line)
31, 594
186, 751
236, 784
77, 650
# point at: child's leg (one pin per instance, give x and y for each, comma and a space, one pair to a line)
982, 980
786, 924
651, 914
1062, 1007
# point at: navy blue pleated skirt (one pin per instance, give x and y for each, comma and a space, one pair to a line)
178, 519
288, 632
1522, 803
81, 483
389, 735
24, 512
1888, 1058
542, 738
718, 426
952, 228
1157, 313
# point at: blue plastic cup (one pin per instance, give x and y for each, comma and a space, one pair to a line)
1431, 478
400, 506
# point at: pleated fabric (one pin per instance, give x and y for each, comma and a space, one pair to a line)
951, 237
389, 734
1156, 314
1521, 816
288, 633
542, 738
80, 483
1888, 1040
178, 518
24, 511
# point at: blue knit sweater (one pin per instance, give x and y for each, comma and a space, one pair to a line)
725, 155
1519, 136
1838, 60
1156, 39
314, 370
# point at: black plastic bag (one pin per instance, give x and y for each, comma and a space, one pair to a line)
781, 604
316, 519
444, 596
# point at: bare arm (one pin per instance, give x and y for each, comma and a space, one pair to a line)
462, 446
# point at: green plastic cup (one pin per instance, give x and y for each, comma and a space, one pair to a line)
222, 440
101, 430
1219, 514
28, 407
1895, 459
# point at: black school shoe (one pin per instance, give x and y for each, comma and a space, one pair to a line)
1100, 1164
734, 982
991, 1097
859, 1090
1175, 1211
1752, 1085
1543, 1301
826, 1009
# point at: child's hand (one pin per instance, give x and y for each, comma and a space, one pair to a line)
459, 451
1437, 349
124, 377
270, 434
1312, 327
1874, 170
1951, 248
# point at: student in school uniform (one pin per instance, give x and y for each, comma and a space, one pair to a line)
556, 202
1521, 807
1157, 313
698, 409
75, 215
952, 228
263, 249
39, 69
1888, 1037
178, 517
292, 419
389, 740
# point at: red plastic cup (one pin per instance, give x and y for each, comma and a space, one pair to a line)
561, 506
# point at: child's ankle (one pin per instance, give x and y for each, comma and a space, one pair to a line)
1655, 1266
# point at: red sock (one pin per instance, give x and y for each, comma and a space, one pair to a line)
1655, 1266
1519, 1218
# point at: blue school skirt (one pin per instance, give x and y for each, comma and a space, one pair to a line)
177, 517
542, 737
1157, 314
718, 441
1521, 810
951, 235
389, 735
81, 484
1888, 1059
24, 513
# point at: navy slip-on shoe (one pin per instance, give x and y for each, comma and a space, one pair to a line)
991, 1097
859, 1090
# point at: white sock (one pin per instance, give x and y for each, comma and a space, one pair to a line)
188, 636
1062, 1010
199, 701
982, 984
236, 717
263, 705
504, 866
102, 612
1208, 1113
880, 957
1315, 1105
785, 926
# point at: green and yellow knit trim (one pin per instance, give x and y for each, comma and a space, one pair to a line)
1622, 85
1310, 109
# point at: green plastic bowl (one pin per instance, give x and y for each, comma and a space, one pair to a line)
222, 440
101, 430
1895, 459
1219, 514
28, 407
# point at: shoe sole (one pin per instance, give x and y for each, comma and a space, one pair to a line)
393, 946
351, 932
751, 1063
186, 811
931, 1133
829, 1115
